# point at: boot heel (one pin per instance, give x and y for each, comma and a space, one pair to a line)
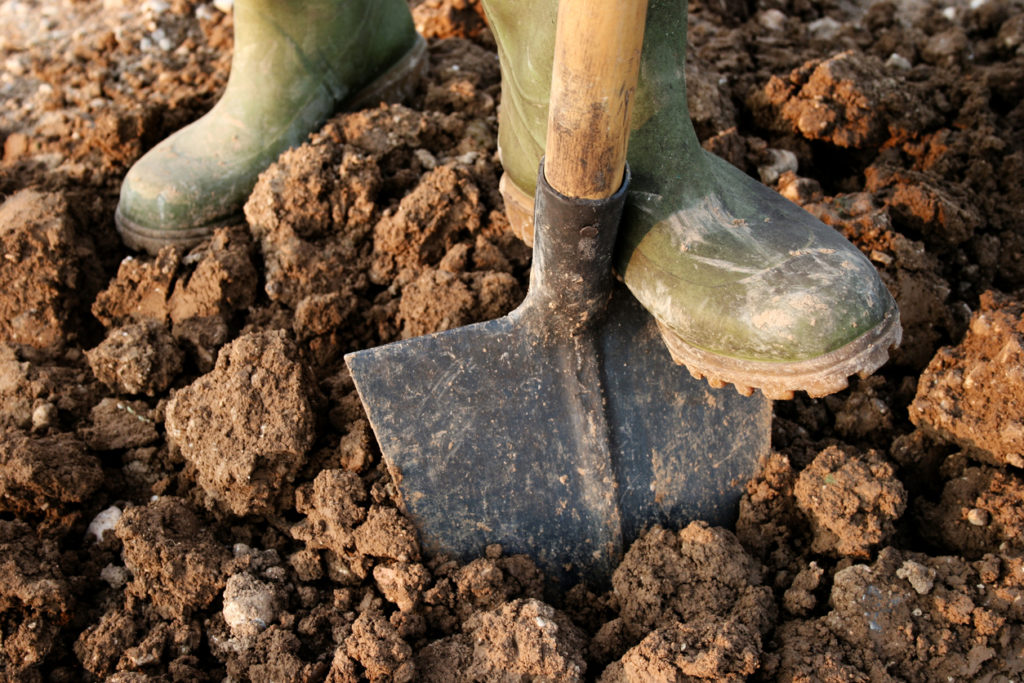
518, 209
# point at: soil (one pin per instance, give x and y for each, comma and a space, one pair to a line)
190, 490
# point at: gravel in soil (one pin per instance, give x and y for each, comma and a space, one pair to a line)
190, 490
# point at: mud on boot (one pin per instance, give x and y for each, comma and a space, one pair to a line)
746, 287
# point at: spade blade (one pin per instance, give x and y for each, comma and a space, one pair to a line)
560, 431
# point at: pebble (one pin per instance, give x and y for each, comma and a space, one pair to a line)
799, 190
782, 160
426, 159
881, 257
160, 39
772, 19
116, 576
204, 13
979, 517
103, 522
945, 47
1011, 34
920, 577
825, 28
45, 414
898, 61
157, 6
15, 65
249, 605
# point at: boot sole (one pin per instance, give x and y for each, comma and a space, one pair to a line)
819, 376
394, 85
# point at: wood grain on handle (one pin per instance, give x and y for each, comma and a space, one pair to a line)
597, 57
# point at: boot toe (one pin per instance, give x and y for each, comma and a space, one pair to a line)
812, 304
804, 307
750, 289
168, 197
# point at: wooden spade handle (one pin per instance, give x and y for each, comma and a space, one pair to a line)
597, 57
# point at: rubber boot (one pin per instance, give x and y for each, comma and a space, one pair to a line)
746, 287
295, 63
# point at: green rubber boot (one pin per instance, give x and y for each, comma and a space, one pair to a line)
295, 63
747, 287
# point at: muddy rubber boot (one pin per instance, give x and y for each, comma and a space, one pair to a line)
295, 63
746, 286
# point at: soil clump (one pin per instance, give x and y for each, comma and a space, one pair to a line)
190, 489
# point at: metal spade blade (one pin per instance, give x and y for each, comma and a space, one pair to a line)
563, 429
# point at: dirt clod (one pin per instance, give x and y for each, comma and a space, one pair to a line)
978, 513
679, 576
247, 425
116, 425
964, 392
423, 228
378, 647
845, 99
517, 641
174, 560
711, 648
190, 488
45, 475
138, 358
35, 597
852, 500
44, 265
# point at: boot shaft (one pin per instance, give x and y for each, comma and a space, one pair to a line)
341, 43
295, 63
525, 33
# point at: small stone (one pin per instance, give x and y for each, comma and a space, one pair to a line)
15, 67
898, 61
249, 605
825, 28
799, 190
945, 48
44, 415
16, 145
780, 161
979, 517
426, 159
881, 258
103, 522
116, 576
920, 577
1011, 33
772, 19
204, 13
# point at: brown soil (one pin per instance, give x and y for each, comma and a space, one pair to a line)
190, 490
